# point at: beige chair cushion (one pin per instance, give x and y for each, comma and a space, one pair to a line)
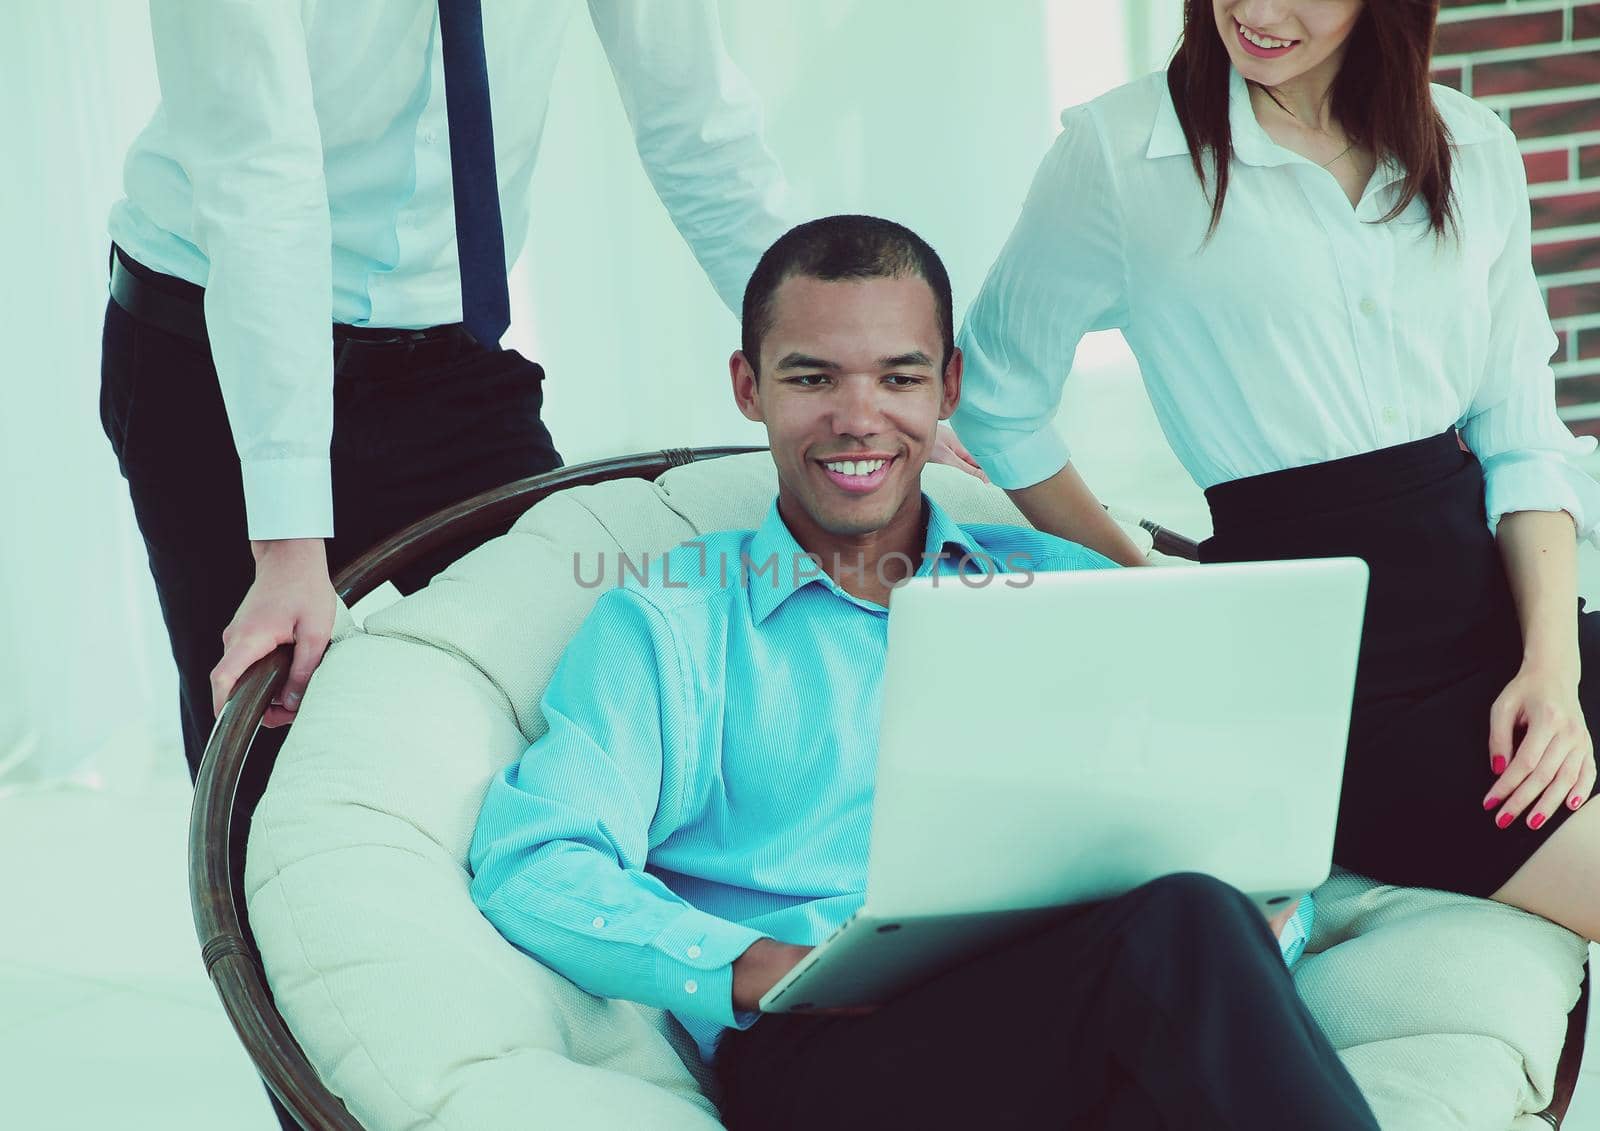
1449, 1011
410, 1005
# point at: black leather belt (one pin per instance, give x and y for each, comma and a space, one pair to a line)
178, 307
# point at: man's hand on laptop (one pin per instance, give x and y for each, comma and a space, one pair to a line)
763, 966
760, 968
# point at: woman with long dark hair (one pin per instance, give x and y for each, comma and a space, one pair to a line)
1322, 264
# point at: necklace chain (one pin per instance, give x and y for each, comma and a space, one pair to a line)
1338, 155
1279, 104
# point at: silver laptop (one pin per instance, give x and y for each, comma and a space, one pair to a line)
1071, 738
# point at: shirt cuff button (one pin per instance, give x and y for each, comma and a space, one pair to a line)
599, 922
691, 986
693, 952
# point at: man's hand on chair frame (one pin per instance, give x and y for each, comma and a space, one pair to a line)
291, 601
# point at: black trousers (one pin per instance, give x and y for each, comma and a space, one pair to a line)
412, 432
1169, 1008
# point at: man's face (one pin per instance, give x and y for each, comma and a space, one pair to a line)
851, 392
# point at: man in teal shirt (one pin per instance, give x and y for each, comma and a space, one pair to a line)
697, 816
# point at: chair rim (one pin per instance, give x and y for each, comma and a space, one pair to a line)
221, 921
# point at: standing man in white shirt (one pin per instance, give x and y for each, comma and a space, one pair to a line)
309, 283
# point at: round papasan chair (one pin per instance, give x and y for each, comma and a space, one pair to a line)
370, 993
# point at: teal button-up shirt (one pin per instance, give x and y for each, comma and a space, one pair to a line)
708, 774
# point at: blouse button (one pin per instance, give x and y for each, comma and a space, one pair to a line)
1389, 414
693, 952
1368, 306
599, 922
690, 986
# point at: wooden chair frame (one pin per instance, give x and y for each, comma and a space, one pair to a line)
226, 798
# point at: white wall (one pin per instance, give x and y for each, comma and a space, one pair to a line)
933, 112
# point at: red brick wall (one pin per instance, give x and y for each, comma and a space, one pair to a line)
1537, 63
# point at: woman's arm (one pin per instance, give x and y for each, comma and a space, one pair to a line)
1064, 506
1060, 275
1539, 549
1553, 764
1535, 495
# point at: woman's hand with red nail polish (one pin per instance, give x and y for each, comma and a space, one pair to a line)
1554, 761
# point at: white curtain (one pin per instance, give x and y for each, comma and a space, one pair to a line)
932, 112
86, 681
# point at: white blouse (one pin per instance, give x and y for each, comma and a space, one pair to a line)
1304, 331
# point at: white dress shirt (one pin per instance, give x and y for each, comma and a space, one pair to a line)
1304, 331
298, 168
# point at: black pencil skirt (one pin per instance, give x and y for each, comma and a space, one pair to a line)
1440, 642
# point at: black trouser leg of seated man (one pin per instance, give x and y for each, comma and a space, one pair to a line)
1168, 1008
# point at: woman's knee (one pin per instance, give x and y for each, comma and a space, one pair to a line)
1557, 880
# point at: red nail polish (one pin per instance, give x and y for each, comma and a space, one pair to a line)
1491, 802
1575, 801
1499, 764
1504, 820
1536, 821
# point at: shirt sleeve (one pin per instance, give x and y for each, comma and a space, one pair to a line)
1512, 426
1060, 275
559, 852
1059, 555
697, 124
236, 92
1297, 931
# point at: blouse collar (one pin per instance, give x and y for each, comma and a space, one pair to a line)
1254, 146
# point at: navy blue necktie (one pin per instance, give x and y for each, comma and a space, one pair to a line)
480, 240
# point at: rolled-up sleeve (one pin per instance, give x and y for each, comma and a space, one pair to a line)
1061, 274
559, 853
1527, 452
236, 90
697, 125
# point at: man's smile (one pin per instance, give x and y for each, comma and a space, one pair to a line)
858, 473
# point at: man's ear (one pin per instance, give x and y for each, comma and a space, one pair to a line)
952, 386
746, 389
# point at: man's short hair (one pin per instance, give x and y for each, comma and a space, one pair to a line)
843, 247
